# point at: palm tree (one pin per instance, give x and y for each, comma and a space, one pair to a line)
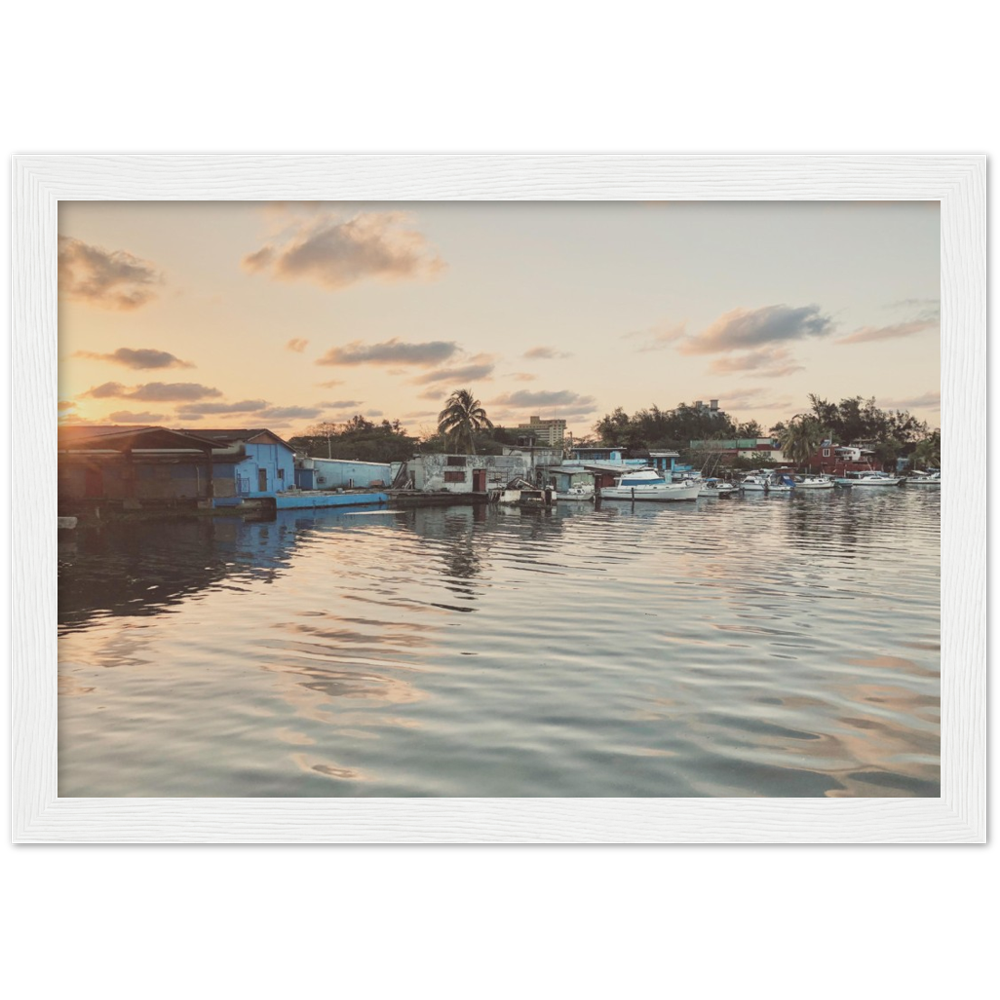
801, 438
461, 418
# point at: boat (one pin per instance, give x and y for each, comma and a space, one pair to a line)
868, 478
648, 484
924, 479
585, 493
766, 482
520, 493
715, 488
814, 483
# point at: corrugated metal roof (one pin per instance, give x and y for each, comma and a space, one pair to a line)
238, 434
81, 436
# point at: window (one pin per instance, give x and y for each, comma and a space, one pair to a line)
456, 460
456, 476
281, 474
826, 452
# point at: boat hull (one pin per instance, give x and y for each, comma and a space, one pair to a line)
654, 494
868, 483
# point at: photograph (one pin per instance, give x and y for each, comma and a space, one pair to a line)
457, 499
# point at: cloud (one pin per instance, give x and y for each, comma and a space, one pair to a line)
331, 384
480, 366
111, 279
289, 412
374, 413
744, 329
242, 406
66, 404
757, 398
545, 353
128, 417
153, 392
140, 358
927, 401
929, 318
335, 252
390, 352
770, 362
925, 305
658, 338
341, 404
525, 398
108, 390
297, 344
522, 376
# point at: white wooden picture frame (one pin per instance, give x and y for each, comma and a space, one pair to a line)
957, 181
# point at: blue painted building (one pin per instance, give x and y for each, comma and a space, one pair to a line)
341, 474
256, 461
665, 462
612, 454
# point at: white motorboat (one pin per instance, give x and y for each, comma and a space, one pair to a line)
766, 482
715, 488
868, 478
924, 479
814, 483
648, 484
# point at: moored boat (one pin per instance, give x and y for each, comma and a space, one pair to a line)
814, 483
648, 484
520, 493
867, 479
766, 482
924, 479
715, 488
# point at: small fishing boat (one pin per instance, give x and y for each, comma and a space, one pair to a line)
766, 482
648, 484
924, 479
520, 493
715, 488
814, 483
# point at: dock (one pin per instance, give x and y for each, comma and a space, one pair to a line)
436, 498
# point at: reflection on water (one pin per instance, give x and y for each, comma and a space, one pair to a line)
769, 646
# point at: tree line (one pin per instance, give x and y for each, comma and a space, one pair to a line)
464, 426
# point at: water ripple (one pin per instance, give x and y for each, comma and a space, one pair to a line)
768, 646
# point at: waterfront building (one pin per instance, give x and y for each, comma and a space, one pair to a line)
466, 473
342, 474
766, 450
256, 462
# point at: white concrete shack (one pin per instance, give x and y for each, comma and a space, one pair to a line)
467, 473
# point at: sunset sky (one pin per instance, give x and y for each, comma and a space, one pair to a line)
244, 314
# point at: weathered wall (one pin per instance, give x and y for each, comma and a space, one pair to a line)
335, 473
436, 472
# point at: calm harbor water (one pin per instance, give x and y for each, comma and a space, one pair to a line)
763, 646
